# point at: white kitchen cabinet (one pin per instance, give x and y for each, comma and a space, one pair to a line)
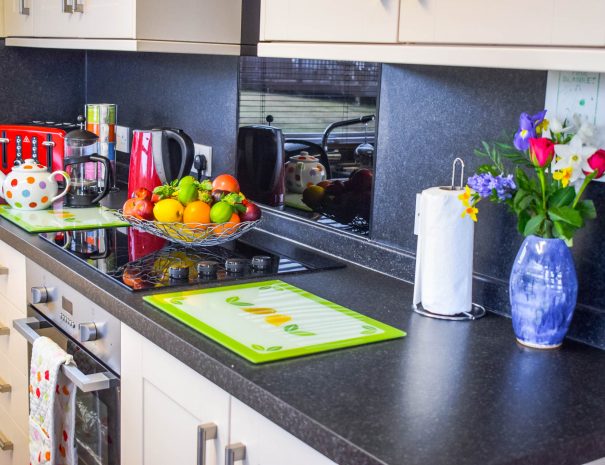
2, 33
514, 22
268, 444
187, 26
12, 277
368, 21
14, 445
164, 402
19, 18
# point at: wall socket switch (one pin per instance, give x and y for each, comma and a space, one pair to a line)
123, 139
207, 152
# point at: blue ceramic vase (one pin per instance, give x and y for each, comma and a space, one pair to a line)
543, 292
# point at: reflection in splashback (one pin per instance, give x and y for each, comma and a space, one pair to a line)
326, 110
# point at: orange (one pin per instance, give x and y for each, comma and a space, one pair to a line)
225, 228
196, 214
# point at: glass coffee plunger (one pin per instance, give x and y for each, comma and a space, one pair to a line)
90, 172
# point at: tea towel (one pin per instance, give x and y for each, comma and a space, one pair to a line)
52, 398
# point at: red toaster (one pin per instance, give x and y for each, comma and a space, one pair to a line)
41, 141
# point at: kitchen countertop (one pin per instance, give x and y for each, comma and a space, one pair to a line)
448, 393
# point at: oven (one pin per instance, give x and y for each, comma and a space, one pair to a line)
91, 336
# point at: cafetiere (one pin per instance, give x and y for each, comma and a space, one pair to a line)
90, 172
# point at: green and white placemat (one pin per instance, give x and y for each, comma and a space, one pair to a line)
61, 219
271, 320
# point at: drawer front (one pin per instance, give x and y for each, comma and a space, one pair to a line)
15, 402
19, 455
12, 277
13, 346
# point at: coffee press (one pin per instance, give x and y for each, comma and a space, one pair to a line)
90, 172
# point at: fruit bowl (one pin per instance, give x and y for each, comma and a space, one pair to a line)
199, 235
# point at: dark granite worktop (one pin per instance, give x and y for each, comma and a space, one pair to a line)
449, 393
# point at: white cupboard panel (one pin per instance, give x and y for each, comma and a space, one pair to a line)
112, 19
12, 277
369, 21
19, 455
19, 18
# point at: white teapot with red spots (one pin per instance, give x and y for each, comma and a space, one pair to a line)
30, 186
302, 171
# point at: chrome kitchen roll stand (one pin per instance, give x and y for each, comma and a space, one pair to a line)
444, 258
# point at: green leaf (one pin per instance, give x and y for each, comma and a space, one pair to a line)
563, 230
587, 209
231, 300
176, 301
290, 328
562, 197
368, 329
567, 215
239, 207
522, 219
302, 333
264, 288
533, 225
274, 348
242, 304
522, 179
257, 347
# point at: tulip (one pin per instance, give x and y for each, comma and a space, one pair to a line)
597, 163
541, 151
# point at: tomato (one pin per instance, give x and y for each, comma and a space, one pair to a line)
225, 182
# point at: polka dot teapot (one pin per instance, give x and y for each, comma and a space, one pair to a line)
302, 171
31, 187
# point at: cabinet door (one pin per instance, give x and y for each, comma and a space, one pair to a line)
54, 18
266, 443
514, 22
12, 277
2, 34
18, 18
163, 403
330, 21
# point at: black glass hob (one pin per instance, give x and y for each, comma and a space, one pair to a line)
138, 260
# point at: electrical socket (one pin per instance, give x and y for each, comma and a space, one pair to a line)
205, 150
123, 139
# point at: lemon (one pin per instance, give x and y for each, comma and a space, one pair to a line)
168, 211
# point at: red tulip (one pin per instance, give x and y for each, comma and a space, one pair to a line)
597, 162
541, 151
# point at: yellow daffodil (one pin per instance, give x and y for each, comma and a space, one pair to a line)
471, 212
563, 175
542, 127
465, 197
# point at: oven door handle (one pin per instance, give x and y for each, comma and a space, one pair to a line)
86, 383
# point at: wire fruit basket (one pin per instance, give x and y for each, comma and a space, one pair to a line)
198, 235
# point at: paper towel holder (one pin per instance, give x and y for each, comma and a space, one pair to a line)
477, 311
453, 186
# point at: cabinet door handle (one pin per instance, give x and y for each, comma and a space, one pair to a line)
205, 432
5, 444
4, 386
4, 330
3, 270
77, 7
234, 452
22, 9
67, 8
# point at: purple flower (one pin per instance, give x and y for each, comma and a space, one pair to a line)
487, 185
527, 129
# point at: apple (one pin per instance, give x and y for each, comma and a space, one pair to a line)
252, 212
360, 181
139, 208
218, 194
335, 188
142, 193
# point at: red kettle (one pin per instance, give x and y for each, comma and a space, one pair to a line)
159, 156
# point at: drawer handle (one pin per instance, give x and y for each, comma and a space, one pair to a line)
4, 386
205, 432
77, 8
4, 330
67, 8
23, 11
3, 270
5, 444
234, 452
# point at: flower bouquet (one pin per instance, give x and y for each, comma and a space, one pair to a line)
542, 177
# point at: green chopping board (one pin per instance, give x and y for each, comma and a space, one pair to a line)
271, 320
63, 219
295, 201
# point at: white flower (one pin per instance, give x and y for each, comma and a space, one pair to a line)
555, 126
575, 156
585, 130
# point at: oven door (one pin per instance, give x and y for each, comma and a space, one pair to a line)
97, 431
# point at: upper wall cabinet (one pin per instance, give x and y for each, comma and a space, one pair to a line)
188, 26
371, 21
513, 22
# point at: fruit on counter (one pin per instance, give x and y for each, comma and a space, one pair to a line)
187, 193
139, 208
196, 213
252, 212
226, 226
218, 194
168, 211
142, 193
360, 181
221, 212
186, 181
225, 182
313, 195
335, 188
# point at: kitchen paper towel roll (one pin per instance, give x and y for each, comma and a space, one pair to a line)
444, 257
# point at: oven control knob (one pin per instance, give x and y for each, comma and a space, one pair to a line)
179, 272
236, 265
39, 295
88, 332
261, 262
207, 267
